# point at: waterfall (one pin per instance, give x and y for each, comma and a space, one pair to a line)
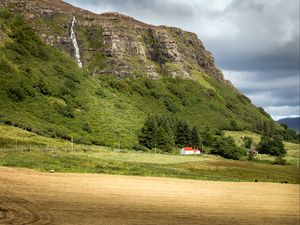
74, 41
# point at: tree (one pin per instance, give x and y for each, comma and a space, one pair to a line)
164, 140
233, 125
148, 135
195, 138
183, 134
157, 133
271, 146
207, 137
265, 128
247, 141
225, 147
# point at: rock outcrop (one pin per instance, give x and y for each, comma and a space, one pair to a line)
112, 43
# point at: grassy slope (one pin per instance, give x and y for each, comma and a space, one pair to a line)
19, 148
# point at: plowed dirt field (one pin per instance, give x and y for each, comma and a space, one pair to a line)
30, 197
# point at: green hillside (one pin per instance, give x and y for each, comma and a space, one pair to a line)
43, 90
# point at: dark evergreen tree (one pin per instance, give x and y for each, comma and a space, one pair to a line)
207, 137
195, 138
157, 133
148, 135
183, 134
165, 141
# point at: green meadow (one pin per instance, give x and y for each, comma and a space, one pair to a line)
20, 148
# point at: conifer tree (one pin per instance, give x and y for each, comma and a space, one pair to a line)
164, 140
183, 134
148, 135
207, 137
195, 138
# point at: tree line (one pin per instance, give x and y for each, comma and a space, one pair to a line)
166, 133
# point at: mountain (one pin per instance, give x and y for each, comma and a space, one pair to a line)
70, 73
292, 123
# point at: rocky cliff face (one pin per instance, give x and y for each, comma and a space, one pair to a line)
112, 43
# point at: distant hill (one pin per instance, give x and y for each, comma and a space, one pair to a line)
292, 123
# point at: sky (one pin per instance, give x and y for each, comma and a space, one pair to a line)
255, 42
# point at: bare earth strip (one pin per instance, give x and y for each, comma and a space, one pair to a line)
30, 197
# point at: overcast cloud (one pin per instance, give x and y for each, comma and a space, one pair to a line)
255, 42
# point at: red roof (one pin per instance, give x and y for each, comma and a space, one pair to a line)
190, 149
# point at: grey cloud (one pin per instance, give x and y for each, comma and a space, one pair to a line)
279, 112
275, 88
143, 10
267, 36
232, 57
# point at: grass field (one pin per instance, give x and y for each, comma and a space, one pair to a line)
238, 135
19, 148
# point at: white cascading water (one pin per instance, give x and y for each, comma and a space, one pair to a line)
74, 41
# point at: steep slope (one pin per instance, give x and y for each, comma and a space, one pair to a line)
163, 70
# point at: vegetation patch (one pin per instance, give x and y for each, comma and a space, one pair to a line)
20, 148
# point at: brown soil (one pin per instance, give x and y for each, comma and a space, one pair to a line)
29, 197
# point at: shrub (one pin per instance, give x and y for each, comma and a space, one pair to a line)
251, 155
225, 147
82, 140
66, 111
16, 93
219, 133
271, 146
150, 84
42, 87
234, 126
5, 67
136, 87
63, 134
16, 51
5, 14
101, 93
243, 98
211, 93
247, 141
25, 37
87, 127
280, 160
171, 107
140, 148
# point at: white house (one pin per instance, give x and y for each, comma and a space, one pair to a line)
189, 151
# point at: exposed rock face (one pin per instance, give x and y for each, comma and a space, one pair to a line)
128, 47
164, 44
119, 43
